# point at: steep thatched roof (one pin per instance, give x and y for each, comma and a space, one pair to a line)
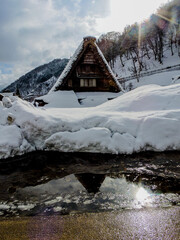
77, 56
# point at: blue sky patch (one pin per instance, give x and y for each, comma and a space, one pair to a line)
6, 68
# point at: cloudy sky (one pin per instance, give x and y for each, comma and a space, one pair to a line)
33, 32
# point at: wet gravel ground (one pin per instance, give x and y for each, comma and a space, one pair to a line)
127, 224
90, 196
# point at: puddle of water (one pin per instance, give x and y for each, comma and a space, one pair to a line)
77, 185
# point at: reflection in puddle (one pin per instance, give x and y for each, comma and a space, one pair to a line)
142, 194
79, 186
91, 182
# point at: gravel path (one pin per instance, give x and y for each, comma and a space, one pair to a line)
128, 224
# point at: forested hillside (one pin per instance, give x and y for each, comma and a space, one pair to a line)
147, 40
38, 81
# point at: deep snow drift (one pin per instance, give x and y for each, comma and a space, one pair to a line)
147, 118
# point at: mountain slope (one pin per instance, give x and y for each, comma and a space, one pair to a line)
155, 73
38, 81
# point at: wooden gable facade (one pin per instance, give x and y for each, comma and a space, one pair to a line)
88, 71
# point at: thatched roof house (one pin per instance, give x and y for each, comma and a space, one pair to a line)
87, 71
86, 80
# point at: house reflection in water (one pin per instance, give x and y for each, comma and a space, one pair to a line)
91, 182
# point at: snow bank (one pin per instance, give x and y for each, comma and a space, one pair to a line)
147, 118
146, 98
12, 141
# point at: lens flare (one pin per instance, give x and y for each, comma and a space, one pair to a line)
139, 36
167, 19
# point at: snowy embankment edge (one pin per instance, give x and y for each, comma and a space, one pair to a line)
145, 119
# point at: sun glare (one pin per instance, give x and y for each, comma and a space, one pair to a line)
127, 12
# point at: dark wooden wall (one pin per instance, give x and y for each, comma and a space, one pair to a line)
89, 67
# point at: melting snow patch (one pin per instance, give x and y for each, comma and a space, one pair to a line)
4, 207
26, 207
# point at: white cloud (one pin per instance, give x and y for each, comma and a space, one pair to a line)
34, 32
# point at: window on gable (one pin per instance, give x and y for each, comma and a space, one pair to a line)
92, 82
87, 82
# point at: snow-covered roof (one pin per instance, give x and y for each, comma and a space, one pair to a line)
68, 67
108, 67
75, 57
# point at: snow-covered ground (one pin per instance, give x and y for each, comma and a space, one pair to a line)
147, 118
60, 99
92, 99
70, 99
162, 79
